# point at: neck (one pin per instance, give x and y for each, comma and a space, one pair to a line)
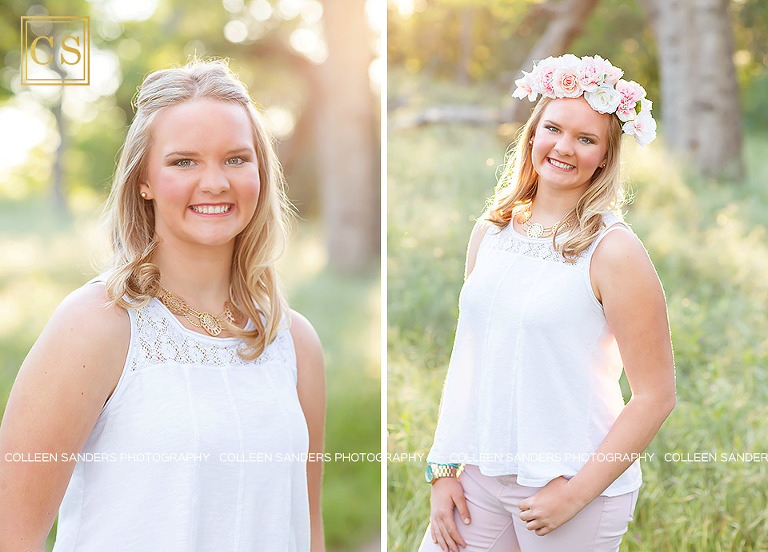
200, 275
550, 207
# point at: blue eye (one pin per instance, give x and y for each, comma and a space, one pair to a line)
183, 162
553, 129
240, 160
586, 140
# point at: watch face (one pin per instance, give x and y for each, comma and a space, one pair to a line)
428, 475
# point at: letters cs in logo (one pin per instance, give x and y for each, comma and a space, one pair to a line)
55, 50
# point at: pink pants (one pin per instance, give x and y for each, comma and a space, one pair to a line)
496, 525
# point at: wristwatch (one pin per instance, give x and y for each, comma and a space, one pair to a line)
436, 471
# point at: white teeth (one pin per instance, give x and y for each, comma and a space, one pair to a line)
560, 165
211, 209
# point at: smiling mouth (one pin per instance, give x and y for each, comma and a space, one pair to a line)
211, 209
560, 165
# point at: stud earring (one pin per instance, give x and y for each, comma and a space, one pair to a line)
530, 142
143, 195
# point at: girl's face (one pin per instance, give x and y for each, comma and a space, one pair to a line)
202, 173
569, 144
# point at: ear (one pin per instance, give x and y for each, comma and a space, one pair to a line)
144, 188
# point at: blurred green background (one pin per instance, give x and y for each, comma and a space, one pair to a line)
708, 238
59, 147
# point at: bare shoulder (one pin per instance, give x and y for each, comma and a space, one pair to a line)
620, 249
310, 373
93, 302
309, 349
621, 264
88, 315
86, 338
478, 233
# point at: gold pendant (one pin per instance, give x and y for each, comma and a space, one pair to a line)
210, 324
175, 304
535, 230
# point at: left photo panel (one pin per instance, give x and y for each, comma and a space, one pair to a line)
190, 276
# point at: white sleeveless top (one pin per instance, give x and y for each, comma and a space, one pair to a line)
533, 382
197, 449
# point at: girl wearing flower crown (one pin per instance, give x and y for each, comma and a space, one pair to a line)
535, 449
174, 402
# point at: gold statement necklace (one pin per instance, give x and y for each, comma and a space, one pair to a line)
205, 320
536, 230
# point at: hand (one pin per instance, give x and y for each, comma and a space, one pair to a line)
447, 494
549, 508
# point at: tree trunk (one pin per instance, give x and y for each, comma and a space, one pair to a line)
701, 113
58, 195
346, 140
568, 18
466, 44
717, 104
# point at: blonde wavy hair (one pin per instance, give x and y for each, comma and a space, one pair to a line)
255, 287
518, 184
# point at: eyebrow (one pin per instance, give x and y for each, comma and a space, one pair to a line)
553, 123
194, 153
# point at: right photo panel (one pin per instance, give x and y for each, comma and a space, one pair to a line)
577, 237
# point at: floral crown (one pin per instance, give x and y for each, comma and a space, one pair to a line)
568, 76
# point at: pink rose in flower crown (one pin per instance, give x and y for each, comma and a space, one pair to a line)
565, 83
612, 74
542, 77
643, 127
590, 73
631, 93
524, 88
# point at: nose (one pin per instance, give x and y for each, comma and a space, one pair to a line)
214, 181
563, 146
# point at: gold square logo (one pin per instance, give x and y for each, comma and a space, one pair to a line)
55, 50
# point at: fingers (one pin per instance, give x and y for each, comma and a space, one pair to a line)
461, 506
448, 536
441, 541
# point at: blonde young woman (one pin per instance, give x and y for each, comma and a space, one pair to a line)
534, 448
174, 403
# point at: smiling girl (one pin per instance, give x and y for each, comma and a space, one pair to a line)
535, 449
178, 379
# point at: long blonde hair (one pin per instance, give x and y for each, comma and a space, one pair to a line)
254, 287
518, 184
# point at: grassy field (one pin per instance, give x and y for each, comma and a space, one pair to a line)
43, 257
709, 243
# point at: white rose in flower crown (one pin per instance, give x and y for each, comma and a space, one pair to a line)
603, 100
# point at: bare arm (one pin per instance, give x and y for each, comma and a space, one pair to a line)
447, 493
311, 390
478, 233
55, 401
626, 283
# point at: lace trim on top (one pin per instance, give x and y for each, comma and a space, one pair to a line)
508, 239
161, 339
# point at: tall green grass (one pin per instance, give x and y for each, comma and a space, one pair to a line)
43, 257
709, 243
